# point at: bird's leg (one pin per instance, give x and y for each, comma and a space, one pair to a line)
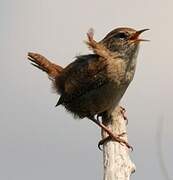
112, 136
123, 111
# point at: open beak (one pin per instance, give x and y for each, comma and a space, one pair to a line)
135, 36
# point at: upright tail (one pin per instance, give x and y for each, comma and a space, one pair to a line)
44, 64
54, 70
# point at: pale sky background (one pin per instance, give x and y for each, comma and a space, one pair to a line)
41, 142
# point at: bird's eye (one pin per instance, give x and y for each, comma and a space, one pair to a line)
121, 35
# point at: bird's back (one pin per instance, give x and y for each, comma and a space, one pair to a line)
86, 86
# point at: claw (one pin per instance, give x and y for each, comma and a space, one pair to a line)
114, 138
103, 141
123, 111
122, 134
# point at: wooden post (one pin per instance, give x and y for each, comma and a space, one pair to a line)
116, 160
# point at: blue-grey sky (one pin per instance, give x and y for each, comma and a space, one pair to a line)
41, 142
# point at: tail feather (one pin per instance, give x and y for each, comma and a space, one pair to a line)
44, 64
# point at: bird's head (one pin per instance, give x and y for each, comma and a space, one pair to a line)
124, 41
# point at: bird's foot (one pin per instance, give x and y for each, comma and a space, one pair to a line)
111, 135
114, 138
123, 111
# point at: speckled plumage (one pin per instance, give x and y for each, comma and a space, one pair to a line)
94, 84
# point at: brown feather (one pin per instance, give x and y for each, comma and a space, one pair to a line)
44, 64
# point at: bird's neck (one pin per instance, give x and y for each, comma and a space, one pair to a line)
131, 64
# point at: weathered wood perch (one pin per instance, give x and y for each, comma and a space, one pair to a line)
116, 160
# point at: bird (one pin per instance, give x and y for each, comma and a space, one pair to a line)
93, 84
